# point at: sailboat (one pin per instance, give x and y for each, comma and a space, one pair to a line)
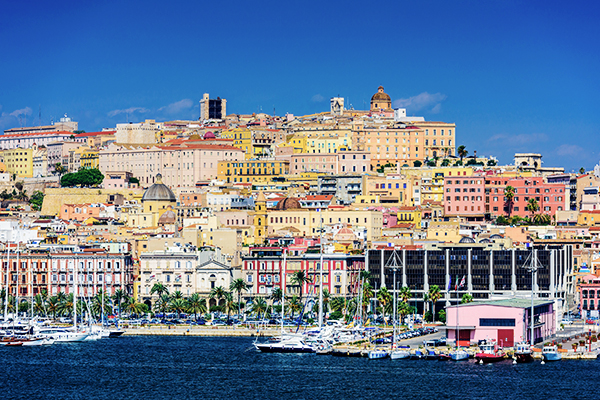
287, 342
404, 352
458, 354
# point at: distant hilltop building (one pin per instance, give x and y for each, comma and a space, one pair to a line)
381, 101
138, 133
212, 108
65, 125
337, 105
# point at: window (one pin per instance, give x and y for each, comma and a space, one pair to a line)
496, 322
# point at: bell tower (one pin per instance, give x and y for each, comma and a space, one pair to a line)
260, 218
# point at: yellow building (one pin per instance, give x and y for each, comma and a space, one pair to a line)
391, 190
158, 204
89, 159
432, 179
19, 162
588, 218
255, 140
258, 170
260, 218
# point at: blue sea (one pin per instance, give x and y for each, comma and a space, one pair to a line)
229, 368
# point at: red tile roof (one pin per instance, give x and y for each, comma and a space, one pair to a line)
88, 134
23, 135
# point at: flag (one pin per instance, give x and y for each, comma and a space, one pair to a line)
462, 282
450, 284
456, 286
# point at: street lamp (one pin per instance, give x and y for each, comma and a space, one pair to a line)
532, 267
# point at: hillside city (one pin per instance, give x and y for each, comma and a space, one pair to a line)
256, 204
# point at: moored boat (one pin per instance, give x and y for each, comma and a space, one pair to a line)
550, 353
378, 354
523, 353
459, 355
489, 353
402, 352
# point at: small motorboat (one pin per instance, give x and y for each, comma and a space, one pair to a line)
550, 353
378, 354
417, 355
402, 352
490, 353
15, 343
523, 353
431, 354
459, 355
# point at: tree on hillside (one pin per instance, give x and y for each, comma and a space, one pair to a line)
509, 194
532, 206
462, 152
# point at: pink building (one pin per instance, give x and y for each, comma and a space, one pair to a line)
551, 197
464, 196
505, 321
589, 296
183, 164
81, 212
333, 163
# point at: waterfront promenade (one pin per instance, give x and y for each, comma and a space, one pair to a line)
187, 330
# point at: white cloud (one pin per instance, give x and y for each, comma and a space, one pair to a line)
431, 102
129, 110
177, 107
570, 150
317, 98
26, 111
518, 140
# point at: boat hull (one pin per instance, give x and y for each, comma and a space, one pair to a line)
523, 358
552, 357
399, 355
489, 358
459, 356
267, 348
378, 355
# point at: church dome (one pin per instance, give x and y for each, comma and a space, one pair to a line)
159, 192
289, 203
209, 135
381, 95
168, 218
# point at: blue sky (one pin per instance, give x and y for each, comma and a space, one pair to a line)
514, 76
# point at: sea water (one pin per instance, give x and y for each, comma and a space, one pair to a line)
163, 367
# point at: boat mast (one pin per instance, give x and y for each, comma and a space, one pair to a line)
7, 288
102, 305
457, 302
321, 274
75, 294
282, 279
395, 306
17, 286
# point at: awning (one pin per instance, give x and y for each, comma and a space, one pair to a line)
460, 327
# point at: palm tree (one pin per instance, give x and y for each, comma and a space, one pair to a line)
403, 310
238, 285
462, 152
118, 298
259, 306
177, 295
466, 298
39, 304
384, 297
178, 305
582, 170
65, 306
53, 306
162, 304
532, 206
135, 307
367, 295
295, 304
404, 294
300, 278
159, 289
229, 303
196, 305
434, 295
97, 305
509, 194
217, 293
338, 304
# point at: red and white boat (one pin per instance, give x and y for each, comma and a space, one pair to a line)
490, 352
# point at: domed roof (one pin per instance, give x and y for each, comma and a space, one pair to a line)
209, 135
159, 192
167, 218
381, 95
466, 239
289, 203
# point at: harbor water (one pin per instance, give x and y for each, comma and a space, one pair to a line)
159, 367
